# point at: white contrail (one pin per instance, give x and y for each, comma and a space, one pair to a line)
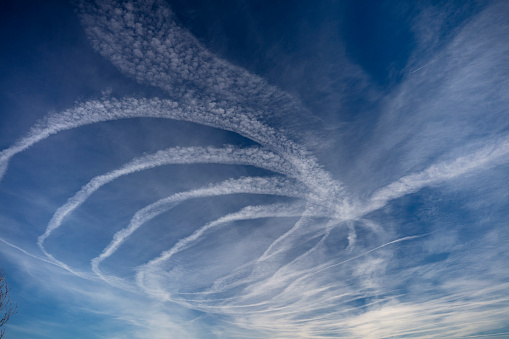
276, 246
287, 279
433, 174
188, 155
271, 185
94, 111
27, 253
421, 67
338, 212
325, 189
143, 40
485, 156
410, 184
247, 213
320, 182
107, 24
284, 277
52, 261
250, 212
328, 265
259, 272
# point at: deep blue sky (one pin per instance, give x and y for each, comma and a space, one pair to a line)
254, 169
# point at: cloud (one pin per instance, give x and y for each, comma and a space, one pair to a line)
329, 270
452, 106
275, 186
165, 157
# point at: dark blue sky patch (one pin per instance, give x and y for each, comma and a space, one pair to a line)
379, 38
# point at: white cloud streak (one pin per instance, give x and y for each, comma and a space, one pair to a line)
296, 287
247, 213
272, 186
229, 155
489, 155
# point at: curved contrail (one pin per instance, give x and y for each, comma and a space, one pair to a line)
489, 154
206, 110
271, 185
286, 285
320, 182
180, 155
250, 212
144, 42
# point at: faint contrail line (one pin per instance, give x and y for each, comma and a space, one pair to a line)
418, 69
282, 290
372, 250
28, 253
189, 155
271, 185
250, 212
485, 156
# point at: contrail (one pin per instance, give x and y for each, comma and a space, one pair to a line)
271, 185
434, 173
418, 69
222, 284
485, 156
282, 276
325, 189
326, 267
52, 261
189, 155
250, 212
27, 253
94, 111
144, 42
275, 247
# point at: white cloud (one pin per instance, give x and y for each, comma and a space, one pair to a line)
319, 276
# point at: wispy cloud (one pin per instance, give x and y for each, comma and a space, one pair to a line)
331, 270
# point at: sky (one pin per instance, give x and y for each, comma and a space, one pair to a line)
255, 169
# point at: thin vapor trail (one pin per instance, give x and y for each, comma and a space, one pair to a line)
144, 42
367, 252
209, 114
310, 281
277, 245
284, 276
259, 272
483, 157
271, 185
27, 253
189, 155
250, 212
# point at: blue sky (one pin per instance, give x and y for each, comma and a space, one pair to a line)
255, 169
